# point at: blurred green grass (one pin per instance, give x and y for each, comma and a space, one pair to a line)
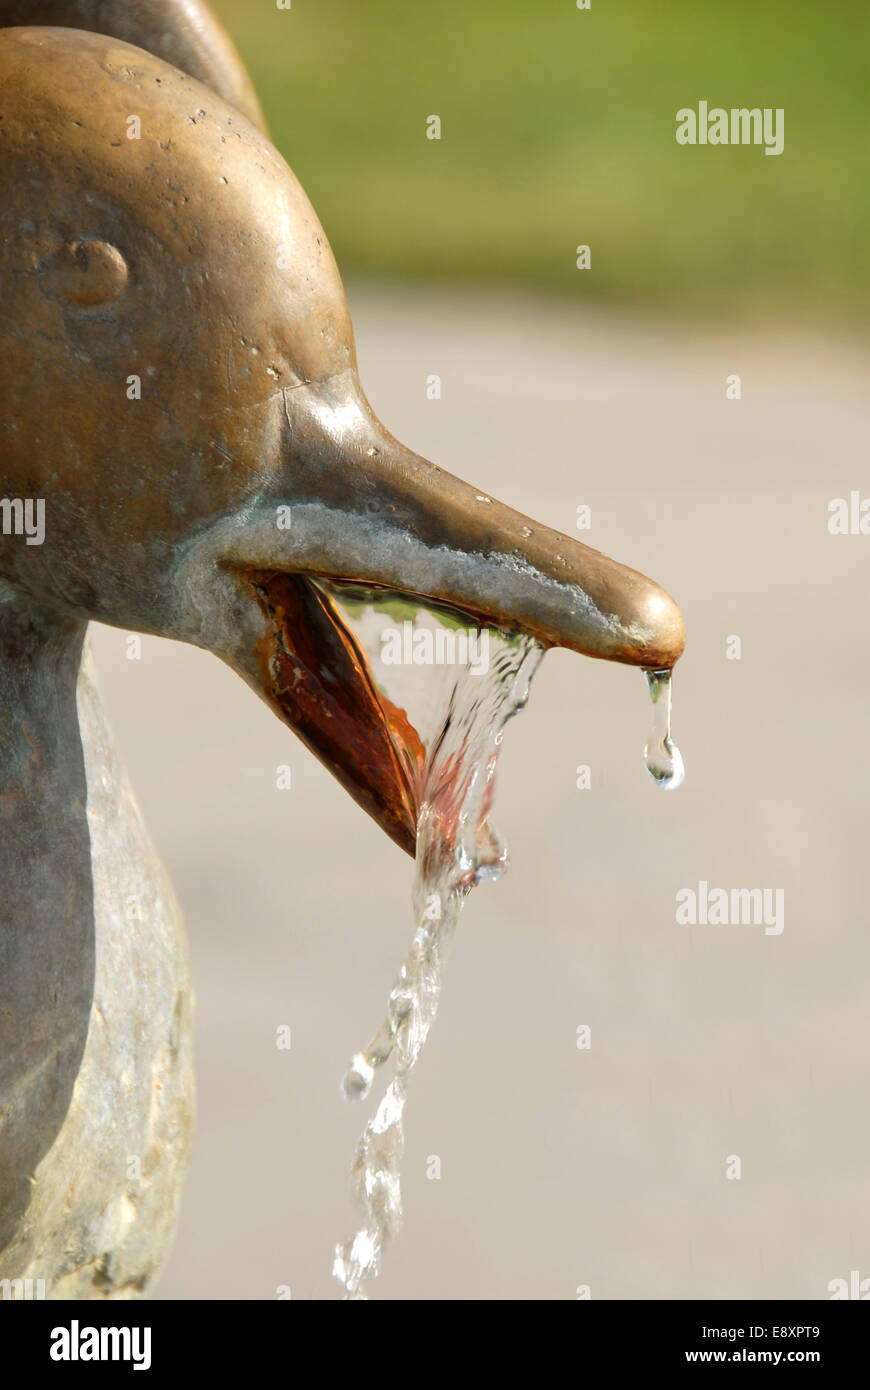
558, 129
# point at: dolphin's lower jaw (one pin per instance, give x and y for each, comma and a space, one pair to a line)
318, 679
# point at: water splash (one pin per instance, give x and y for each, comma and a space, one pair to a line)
456, 849
661, 756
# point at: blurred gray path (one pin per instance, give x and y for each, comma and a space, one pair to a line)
560, 1167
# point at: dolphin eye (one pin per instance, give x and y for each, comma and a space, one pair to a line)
91, 272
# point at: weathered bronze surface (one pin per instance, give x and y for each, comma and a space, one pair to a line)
184, 33
177, 368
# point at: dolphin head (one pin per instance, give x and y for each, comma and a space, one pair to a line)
178, 384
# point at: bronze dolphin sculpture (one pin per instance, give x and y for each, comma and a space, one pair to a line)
179, 388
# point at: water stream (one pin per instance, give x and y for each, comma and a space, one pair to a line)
474, 683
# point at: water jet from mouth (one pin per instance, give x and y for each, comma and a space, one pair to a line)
460, 721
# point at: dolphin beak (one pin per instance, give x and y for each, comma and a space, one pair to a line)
363, 509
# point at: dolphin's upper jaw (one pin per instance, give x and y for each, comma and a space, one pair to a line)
344, 499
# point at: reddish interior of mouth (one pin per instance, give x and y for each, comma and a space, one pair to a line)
318, 679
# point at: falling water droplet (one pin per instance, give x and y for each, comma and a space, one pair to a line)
661, 755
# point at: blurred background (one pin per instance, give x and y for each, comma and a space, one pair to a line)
603, 1168
558, 128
